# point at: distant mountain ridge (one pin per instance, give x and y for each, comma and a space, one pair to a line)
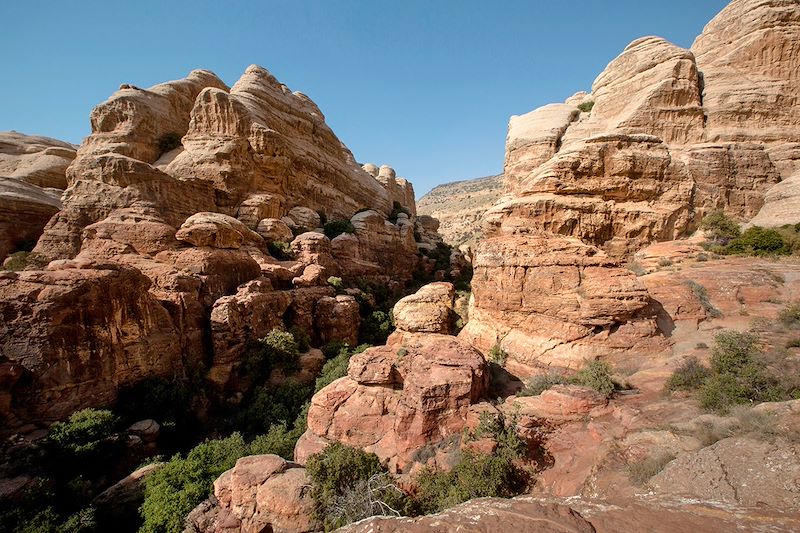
460, 205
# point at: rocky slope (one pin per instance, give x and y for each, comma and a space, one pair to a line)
671, 135
156, 259
459, 207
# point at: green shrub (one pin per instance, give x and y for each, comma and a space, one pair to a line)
597, 375
790, 316
333, 473
376, 327
301, 337
282, 251
16, 261
586, 107
168, 142
664, 262
396, 210
268, 405
83, 521
279, 440
498, 355
719, 228
336, 283
277, 350
181, 484
538, 384
690, 375
738, 374
84, 431
336, 227
154, 397
758, 241
334, 348
700, 292
474, 476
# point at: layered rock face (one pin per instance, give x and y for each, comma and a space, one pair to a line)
156, 258
32, 178
666, 136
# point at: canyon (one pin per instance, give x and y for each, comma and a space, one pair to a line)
198, 221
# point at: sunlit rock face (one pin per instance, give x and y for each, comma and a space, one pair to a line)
666, 136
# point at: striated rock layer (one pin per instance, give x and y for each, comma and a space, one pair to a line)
666, 136
157, 258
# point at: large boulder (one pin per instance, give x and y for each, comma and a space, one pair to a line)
398, 400
216, 230
260, 493
429, 310
24, 212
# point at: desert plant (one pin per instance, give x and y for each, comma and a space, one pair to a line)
336, 367
336, 282
333, 473
498, 355
700, 292
282, 251
690, 375
597, 375
277, 349
84, 431
336, 227
538, 384
636, 268
586, 107
376, 327
664, 262
16, 261
758, 241
641, 471
790, 315
720, 228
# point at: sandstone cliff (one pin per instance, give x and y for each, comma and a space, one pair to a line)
666, 136
192, 222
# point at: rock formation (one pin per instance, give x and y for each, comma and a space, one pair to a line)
32, 178
171, 209
459, 207
663, 139
401, 401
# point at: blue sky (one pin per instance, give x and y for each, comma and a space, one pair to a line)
425, 86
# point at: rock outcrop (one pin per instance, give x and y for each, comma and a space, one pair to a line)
157, 259
401, 401
666, 136
260, 493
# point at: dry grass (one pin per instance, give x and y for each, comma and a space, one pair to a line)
641, 471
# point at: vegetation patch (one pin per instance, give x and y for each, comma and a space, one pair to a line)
336, 227
641, 471
701, 294
586, 107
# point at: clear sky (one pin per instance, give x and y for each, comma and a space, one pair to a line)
424, 86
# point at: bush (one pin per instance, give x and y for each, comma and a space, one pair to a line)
664, 262
376, 327
396, 210
790, 316
301, 337
538, 384
154, 397
474, 476
690, 375
586, 107
277, 349
758, 241
498, 355
336, 283
269, 405
169, 141
282, 251
16, 261
738, 376
84, 431
720, 228
597, 375
336, 227
333, 473
700, 292
181, 484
